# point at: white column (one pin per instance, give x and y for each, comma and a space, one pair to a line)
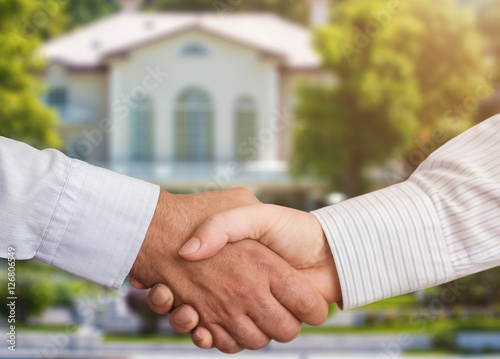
266, 133
224, 125
164, 117
118, 114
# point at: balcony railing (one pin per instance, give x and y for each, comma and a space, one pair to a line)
76, 115
230, 172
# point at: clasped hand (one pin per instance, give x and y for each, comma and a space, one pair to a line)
243, 294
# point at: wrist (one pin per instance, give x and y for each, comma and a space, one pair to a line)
158, 243
332, 292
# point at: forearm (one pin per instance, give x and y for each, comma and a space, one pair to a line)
31, 183
160, 242
439, 225
85, 220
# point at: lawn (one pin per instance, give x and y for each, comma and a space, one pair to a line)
472, 324
365, 329
148, 339
47, 328
402, 301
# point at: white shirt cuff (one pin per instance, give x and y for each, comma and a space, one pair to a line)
385, 244
99, 224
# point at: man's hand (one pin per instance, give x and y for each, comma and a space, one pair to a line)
294, 235
243, 296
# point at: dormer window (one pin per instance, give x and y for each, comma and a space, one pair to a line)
194, 50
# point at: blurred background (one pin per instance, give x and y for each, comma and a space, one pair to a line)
305, 102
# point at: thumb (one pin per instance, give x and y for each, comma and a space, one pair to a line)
248, 222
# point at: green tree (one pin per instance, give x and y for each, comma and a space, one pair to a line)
296, 11
480, 289
82, 12
451, 73
395, 76
489, 25
39, 286
33, 294
180, 5
22, 114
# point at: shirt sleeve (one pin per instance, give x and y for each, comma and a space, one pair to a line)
441, 224
82, 219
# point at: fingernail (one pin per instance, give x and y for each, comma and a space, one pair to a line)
160, 297
197, 334
191, 246
182, 316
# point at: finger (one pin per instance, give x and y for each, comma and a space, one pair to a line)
223, 340
248, 222
247, 334
184, 319
136, 283
160, 299
202, 338
276, 321
299, 296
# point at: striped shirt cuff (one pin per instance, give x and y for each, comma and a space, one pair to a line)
385, 244
99, 224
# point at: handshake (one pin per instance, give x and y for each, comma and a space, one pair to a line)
276, 272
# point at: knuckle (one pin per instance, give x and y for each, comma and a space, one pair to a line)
245, 194
250, 338
260, 319
285, 326
259, 260
164, 309
304, 296
215, 221
242, 291
308, 304
263, 314
179, 328
288, 332
244, 334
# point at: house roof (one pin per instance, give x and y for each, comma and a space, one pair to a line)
90, 46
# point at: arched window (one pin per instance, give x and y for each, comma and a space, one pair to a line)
141, 131
245, 129
194, 127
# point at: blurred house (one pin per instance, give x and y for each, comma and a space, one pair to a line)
191, 101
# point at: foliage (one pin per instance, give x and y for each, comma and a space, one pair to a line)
450, 69
180, 5
489, 25
82, 12
39, 286
67, 289
370, 317
480, 289
34, 294
444, 334
296, 11
332, 309
22, 115
395, 74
